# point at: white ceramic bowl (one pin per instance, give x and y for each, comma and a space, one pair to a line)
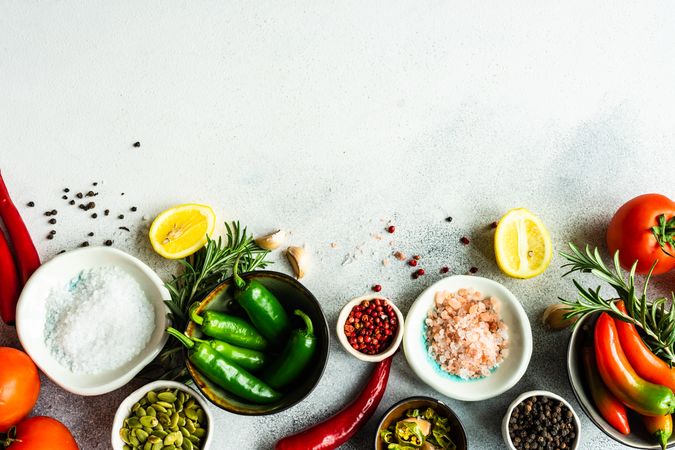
504, 377
340, 330
125, 409
31, 312
525, 395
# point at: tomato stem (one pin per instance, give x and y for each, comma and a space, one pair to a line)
664, 233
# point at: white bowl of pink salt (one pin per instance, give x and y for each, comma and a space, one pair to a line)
468, 338
92, 318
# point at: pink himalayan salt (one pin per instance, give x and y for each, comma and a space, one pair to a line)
465, 333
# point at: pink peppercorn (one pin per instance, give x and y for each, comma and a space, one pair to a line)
412, 262
445, 269
374, 329
420, 272
465, 240
377, 288
391, 228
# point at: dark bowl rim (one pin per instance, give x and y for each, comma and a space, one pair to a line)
584, 407
419, 398
324, 323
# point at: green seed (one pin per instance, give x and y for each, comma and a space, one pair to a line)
164, 404
148, 429
132, 422
126, 447
154, 438
168, 397
194, 439
142, 435
187, 445
133, 440
140, 412
190, 425
158, 446
147, 446
200, 415
135, 407
148, 421
199, 432
151, 396
124, 435
151, 411
164, 419
159, 434
190, 413
174, 419
184, 431
169, 447
159, 407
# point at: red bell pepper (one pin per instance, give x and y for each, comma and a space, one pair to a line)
610, 408
661, 427
9, 282
338, 429
646, 364
26, 257
638, 394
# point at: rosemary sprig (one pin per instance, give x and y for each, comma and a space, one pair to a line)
202, 272
655, 319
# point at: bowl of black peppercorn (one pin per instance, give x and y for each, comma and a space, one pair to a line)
539, 420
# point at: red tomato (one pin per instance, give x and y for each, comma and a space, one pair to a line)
19, 386
630, 232
42, 433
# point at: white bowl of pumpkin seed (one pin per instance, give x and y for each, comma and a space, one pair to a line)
162, 415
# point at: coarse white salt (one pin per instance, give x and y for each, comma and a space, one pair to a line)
99, 321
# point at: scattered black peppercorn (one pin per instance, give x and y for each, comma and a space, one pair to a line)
82, 206
84, 244
108, 242
106, 212
123, 228
91, 233
448, 219
30, 204
52, 221
72, 202
66, 190
137, 144
121, 216
474, 269
54, 212
52, 232
122, 193
62, 251
134, 209
95, 183
50, 236
79, 195
93, 216
90, 205
493, 225
48, 213
65, 197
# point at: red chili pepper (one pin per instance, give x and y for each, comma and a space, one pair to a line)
610, 408
9, 282
646, 364
27, 259
339, 428
661, 427
638, 394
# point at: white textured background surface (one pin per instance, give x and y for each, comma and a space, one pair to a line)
330, 119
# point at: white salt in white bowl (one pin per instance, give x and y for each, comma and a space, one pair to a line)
503, 377
124, 410
31, 317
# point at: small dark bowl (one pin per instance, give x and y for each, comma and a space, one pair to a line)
457, 433
583, 336
292, 295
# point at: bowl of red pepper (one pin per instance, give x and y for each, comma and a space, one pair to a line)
370, 328
607, 369
257, 344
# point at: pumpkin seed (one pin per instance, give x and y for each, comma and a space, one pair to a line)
170, 439
160, 434
142, 435
184, 431
132, 422
151, 411
187, 445
168, 397
190, 413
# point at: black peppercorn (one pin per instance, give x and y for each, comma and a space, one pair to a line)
30, 204
121, 216
137, 144
108, 242
134, 209
52, 221
72, 202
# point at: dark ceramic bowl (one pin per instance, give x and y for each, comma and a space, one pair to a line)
396, 412
583, 336
292, 295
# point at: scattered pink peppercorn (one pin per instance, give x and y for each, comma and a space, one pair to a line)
445, 269
465, 240
391, 228
420, 272
416, 257
377, 288
412, 262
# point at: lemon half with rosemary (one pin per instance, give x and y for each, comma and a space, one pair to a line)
181, 231
522, 244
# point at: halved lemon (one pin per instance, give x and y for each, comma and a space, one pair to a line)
181, 231
522, 244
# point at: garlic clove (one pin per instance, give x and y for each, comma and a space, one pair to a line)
298, 259
554, 317
270, 241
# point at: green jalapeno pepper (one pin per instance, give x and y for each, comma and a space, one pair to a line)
230, 329
263, 308
224, 373
244, 357
295, 356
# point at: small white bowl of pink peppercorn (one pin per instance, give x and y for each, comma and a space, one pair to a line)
370, 328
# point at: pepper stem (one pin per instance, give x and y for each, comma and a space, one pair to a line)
662, 437
239, 281
196, 318
186, 341
306, 319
